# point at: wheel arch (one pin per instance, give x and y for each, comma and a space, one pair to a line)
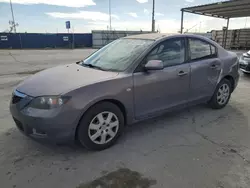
231, 79
116, 102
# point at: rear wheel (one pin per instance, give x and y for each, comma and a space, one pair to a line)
221, 95
100, 126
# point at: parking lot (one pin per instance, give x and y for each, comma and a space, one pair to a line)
193, 148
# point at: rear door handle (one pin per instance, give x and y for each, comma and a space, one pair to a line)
182, 73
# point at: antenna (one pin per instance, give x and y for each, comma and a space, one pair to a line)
192, 27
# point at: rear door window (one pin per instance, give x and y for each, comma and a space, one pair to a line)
199, 49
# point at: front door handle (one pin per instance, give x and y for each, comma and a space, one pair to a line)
213, 66
182, 73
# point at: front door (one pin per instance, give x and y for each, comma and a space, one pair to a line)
158, 90
205, 68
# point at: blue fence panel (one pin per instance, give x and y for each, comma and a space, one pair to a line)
83, 40
8, 40
39, 40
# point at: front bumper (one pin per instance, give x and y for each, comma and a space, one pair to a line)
54, 125
244, 66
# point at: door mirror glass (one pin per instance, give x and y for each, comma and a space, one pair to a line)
154, 65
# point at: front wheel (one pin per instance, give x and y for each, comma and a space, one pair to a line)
221, 95
100, 126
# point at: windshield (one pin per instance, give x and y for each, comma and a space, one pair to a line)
118, 55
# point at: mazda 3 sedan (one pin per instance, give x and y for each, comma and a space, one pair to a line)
128, 80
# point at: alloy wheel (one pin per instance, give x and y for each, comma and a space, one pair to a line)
223, 94
103, 127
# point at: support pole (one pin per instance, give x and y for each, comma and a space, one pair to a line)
153, 17
110, 28
225, 44
182, 14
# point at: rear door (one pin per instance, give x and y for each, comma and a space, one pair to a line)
205, 69
158, 90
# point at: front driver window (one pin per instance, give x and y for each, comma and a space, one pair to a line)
170, 52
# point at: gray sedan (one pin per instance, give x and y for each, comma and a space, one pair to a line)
129, 80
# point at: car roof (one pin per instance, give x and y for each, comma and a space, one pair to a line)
158, 36
151, 36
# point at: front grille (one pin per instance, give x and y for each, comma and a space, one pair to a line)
16, 99
243, 66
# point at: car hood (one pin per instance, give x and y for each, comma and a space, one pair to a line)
62, 79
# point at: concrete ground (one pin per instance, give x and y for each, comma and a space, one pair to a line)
192, 148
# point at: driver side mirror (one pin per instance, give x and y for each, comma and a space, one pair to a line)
154, 65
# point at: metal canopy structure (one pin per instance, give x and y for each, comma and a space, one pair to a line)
225, 10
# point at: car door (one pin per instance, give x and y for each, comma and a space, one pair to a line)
205, 69
158, 90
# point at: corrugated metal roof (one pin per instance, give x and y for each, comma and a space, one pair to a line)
226, 9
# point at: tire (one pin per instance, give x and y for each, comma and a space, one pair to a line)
94, 130
217, 101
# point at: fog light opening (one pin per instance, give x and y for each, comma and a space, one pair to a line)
39, 133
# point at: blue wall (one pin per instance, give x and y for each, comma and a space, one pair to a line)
38, 40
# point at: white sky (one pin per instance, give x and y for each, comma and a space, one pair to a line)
67, 3
87, 15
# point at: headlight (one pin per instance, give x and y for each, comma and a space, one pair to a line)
243, 60
48, 102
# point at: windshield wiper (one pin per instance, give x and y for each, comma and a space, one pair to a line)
93, 66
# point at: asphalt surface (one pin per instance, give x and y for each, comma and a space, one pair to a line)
193, 148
